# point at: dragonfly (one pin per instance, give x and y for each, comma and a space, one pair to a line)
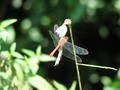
65, 48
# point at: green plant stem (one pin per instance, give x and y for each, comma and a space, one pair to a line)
77, 68
97, 66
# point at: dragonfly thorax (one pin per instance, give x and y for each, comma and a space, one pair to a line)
61, 31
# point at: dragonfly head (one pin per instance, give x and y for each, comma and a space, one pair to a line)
67, 22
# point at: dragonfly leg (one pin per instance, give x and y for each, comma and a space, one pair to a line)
53, 52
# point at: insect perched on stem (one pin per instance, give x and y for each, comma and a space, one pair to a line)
62, 45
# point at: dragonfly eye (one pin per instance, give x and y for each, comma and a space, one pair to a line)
67, 21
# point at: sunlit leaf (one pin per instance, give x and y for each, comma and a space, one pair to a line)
13, 47
25, 86
17, 55
33, 60
38, 51
24, 65
19, 72
8, 22
117, 4
4, 35
5, 53
6, 87
34, 68
46, 58
4, 75
4, 80
2, 29
11, 35
33, 64
9, 71
28, 52
40, 83
8, 35
73, 86
59, 86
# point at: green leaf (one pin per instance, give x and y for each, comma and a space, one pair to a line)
38, 51
73, 86
23, 65
33, 64
5, 54
34, 68
17, 55
19, 72
40, 83
4, 35
8, 22
59, 86
46, 58
8, 35
4, 75
117, 4
13, 47
11, 35
28, 52
4, 81
2, 29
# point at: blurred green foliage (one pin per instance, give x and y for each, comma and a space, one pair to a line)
96, 25
110, 83
19, 71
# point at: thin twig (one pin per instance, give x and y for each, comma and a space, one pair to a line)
97, 66
77, 68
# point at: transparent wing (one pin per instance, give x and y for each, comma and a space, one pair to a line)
79, 50
69, 55
66, 52
68, 46
55, 27
54, 38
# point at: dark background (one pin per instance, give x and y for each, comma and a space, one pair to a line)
95, 25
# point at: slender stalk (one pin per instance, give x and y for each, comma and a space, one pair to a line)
77, 68
97, 66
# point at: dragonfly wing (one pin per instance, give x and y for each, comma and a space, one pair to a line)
69, 55
79, 50
54, 38
55, 27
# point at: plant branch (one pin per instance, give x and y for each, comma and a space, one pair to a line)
77, 68
97, 66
